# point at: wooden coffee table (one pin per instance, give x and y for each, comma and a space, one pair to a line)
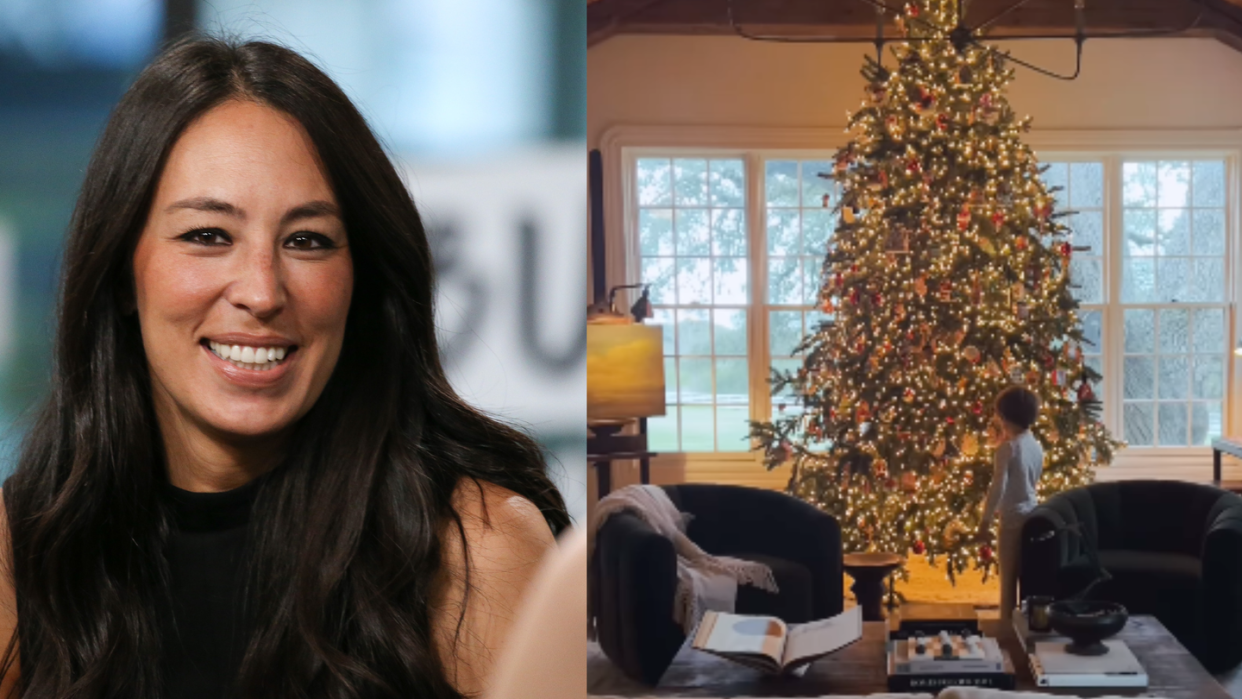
859, 669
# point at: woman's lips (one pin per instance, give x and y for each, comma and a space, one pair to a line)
252, 377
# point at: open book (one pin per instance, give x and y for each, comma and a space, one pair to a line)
768, 644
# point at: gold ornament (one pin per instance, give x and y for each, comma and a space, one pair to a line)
970, 444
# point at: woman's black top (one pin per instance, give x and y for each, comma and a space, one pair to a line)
204, 634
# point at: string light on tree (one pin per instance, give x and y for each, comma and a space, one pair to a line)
947, 278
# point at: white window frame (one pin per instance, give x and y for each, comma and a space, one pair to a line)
622, 145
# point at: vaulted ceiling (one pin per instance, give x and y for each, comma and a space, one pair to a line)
856, 19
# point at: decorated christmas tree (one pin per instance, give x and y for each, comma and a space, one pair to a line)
947, 279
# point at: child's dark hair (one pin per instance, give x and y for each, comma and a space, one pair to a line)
1018, 405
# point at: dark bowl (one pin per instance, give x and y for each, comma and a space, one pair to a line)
1087, 623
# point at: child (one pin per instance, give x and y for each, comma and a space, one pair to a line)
1019, 463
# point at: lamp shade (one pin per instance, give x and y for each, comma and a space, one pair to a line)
625, 370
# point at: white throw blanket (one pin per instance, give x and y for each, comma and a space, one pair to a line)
704, 582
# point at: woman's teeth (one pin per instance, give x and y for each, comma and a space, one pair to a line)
253, 358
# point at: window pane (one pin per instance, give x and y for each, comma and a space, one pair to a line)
1174, 378
729, 232
729, 327
1088, 227
785, 328
1174, 185
670, 380
693, 235
695, 380
1206, 422
1086, 185
662, 431
694, 280
1209, 232
1209, 377
781, 182
811, 280
1209, 329
655, 232
1174, 283
784, 281
729, 281
664, 318
1173, 424
733, 428
655, 184
689, 182
1139, 381
815, 187
817, 227
1138, 280
727, 182
694, 332
783, 232
697, 428
1137, 421
1057, 175
732, 382
1173, 227
1087, 276
1138, 184
1091, 331
1209, 277
658, 272
1174, 331
1140, 231
1140, 329
1209, 183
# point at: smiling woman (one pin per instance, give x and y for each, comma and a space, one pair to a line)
252, 477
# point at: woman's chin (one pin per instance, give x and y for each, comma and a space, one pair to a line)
249, 427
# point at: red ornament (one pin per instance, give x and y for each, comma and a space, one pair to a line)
985, 552
1067, 250
963, 219
1085, 393
913, 9
854, 296
977, 408
998, 218
913, 167
1020, 242
919, 547
942, 122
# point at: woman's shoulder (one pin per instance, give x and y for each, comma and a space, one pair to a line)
495, 517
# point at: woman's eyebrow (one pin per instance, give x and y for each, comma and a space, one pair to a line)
207, 204
311, 209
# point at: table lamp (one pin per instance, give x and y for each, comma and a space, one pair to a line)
625, 375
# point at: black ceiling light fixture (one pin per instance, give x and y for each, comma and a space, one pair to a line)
964, 34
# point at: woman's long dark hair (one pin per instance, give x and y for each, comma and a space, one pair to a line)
346, 530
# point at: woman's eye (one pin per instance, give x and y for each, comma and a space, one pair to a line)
206, 236
308, 241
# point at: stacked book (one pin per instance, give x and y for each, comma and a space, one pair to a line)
921, 662
1052, 666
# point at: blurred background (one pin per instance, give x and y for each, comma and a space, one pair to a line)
481, 103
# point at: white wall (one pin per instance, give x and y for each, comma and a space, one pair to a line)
1153, 84
1125, 84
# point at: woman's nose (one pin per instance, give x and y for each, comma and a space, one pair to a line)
257, 285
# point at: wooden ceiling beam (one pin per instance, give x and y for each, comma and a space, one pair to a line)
855, 19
